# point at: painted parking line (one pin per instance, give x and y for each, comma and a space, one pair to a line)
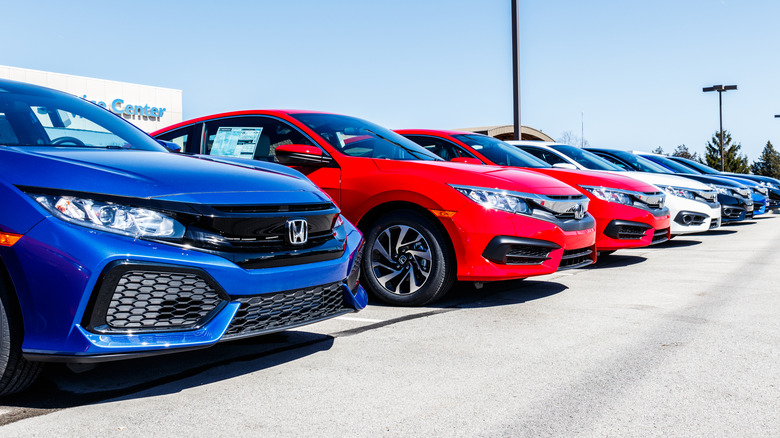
349, 318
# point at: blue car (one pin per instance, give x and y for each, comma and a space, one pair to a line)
111, 248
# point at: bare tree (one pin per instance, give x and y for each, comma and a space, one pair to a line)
570, 138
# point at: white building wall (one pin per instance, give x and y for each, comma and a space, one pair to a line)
138, 104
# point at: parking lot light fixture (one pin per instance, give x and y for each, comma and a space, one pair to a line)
720, 89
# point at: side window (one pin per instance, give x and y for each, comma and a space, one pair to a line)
253, 137
7, 134
442, 148
613, 160
182, 137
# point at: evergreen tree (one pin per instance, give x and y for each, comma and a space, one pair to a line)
768, 164
682, 151
733, 160
659, 150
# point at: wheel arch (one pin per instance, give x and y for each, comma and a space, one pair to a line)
380, 210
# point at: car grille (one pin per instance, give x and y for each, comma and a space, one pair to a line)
278, 311
628, 232
527, 255
160, 300
661, 235
576, 258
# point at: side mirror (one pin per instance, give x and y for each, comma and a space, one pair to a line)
467, 160
302, 155
171, 146
565, 166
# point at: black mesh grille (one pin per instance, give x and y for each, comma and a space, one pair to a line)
159, 300
576, 258
630, 233
278, 311
661, 235
527, 255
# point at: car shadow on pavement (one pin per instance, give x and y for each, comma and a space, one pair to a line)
739, 224
677, 242
499, 293
61, 387
616, 260
717, 232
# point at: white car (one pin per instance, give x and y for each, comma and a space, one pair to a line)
693, 205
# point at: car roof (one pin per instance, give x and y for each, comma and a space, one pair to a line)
252, 112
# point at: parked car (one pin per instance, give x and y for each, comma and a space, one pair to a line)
735, 199
693, 206
636, 161
628, 212
764, 186
427, 222
112, 248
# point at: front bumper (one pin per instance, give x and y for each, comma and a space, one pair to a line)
477, 232
734, 209
91, 296
689, 216
623, 226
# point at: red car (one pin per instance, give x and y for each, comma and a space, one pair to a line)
427, 222
629, 213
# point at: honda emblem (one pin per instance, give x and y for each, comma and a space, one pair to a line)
297, 231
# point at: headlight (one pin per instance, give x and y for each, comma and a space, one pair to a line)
610, 195
496, 199
678, 191
723, 190
114, 218
744, 192
761, 190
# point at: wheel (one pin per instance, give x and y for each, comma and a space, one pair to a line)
407, 261
16, 373
63, 140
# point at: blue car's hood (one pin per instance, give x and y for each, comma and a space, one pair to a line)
144, 174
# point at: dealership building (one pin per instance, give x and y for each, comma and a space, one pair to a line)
150, 108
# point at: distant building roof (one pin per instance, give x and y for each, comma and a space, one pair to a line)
507, 132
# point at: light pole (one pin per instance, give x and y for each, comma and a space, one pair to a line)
516, 68
720, 89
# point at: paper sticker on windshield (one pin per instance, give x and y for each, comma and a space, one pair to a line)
236, 142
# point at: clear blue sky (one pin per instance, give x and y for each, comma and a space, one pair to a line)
635, 69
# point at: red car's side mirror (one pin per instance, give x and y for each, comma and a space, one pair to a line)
302, 155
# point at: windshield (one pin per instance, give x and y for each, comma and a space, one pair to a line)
33, 116
359, 138
499, 152
671, 164
640, 163
698, 166
586, 159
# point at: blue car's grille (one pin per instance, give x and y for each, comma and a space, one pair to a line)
278, 311
158, 300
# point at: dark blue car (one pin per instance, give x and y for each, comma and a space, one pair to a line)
112, 248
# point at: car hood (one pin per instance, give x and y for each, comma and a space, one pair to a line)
495, 177
598, 179
664, 179
156, 175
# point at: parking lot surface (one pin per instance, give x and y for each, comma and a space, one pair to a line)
681, 339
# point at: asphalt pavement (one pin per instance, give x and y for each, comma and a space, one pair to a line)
679, 339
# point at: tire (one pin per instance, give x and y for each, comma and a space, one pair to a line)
16, 373
407, 260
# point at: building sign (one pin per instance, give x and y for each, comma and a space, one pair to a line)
118, 106
147, 107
